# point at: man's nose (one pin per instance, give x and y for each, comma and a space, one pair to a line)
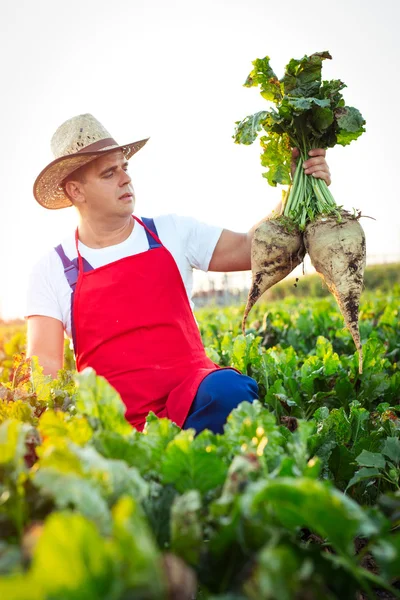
125, 178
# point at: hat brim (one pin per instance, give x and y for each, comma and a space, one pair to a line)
47, 190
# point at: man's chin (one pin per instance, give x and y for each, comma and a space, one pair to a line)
127, 206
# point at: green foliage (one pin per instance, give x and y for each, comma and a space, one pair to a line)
193, 463
100, 403
303, 502
74, 562
308, 113
186, 527
273, 508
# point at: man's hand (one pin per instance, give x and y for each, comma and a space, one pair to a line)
315, 166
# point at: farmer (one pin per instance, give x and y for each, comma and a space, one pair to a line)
120, 286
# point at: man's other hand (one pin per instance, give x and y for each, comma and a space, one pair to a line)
315, 166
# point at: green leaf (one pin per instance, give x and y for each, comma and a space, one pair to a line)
341, 464
12, 443
331, 360
71, 544
371, 459
386, 551
303, 77
390, 505
311, 369
60, 454
116, 446
213, 355
137, 552
276, 157
321, 414
285, 571
41, 384
115, 476
331, 90
350, 124
322, 118
186, 529
252, 428
229, 596
337, 424
246, 351
83, 478
54, 424
391, 449
10, 559
302, 104
157, 507
359, 419
71, 491
192, 463
277, 574
247, 130
277, 397
17, 409
298, 448
242, 470
325, 450
264, 76
101, 403
156, 436
362, 474
141, 450
21, 587
305, 502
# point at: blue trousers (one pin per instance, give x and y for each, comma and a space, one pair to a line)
218, 394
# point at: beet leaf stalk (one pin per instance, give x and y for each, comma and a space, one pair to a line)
308, 198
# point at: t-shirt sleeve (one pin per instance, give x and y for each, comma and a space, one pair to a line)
199, 240
41, 296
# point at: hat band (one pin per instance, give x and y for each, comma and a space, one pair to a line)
100, 145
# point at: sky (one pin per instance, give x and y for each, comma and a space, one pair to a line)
174, 71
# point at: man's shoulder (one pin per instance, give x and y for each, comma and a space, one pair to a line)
166, 219
182, 224
50, 260
169, 225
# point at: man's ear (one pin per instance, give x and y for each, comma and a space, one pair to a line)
74, 191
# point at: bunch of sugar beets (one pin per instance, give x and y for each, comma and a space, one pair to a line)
308, 113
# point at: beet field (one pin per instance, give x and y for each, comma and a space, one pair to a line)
299, 499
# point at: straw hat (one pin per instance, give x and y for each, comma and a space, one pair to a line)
76, 143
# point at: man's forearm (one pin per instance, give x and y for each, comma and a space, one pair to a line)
45, 339
51, 367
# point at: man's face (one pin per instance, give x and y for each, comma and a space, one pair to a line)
107, 188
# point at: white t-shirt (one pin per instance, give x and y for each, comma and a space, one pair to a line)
190, 242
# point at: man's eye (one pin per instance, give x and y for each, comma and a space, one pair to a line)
110, 174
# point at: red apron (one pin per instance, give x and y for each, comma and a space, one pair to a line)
134, 326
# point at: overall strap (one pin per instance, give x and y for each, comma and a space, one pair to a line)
71, 269
150, 227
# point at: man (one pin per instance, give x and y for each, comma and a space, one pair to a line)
120, 287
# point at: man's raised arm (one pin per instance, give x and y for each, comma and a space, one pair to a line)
233, 250
46, 341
